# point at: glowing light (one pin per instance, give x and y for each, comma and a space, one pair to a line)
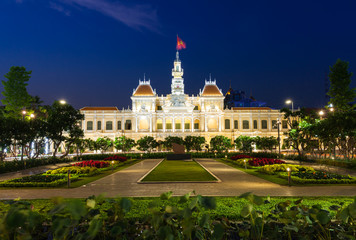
288, 101
62, 101
32, 115
321, 113
288, 169
24, 112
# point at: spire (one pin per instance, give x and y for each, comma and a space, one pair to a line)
177, 56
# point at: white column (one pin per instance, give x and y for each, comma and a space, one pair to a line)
269, 124
174, 124
219, 123
206, 123
164, 123
151, 124
192, 124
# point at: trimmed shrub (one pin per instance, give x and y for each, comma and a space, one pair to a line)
272, 169
259, 162
38, 181
92, 163
240, 156
116, 158
81, 171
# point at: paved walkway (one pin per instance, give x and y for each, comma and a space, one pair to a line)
234, 182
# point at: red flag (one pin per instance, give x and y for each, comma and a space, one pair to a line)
180, 44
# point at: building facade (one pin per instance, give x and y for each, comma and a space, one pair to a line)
178, 114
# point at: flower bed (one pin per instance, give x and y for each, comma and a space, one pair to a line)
240, 156
40, 180
259, 162
116, 158
76, 170
273, 169
92, 163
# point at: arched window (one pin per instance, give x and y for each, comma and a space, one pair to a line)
168, 124
178, 124
108, 125
187, 124
227, 123
159, 124
128, 125
196, 124
90, 125
245, 124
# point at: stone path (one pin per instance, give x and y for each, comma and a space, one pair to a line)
234, 182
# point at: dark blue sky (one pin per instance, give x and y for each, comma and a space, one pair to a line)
92, 52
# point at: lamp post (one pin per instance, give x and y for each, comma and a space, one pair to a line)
321, 114
245, 163
22, 145
289, 180
289, 101
22, 148
279, 137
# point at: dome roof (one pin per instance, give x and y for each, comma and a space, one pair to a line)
211, 90
144, 90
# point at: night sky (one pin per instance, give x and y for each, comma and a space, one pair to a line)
93, 52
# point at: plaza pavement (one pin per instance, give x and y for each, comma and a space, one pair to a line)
234, 182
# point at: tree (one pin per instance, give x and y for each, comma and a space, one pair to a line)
172, 139
61, 118
244, 143
104, 144
341, 96
15, 93
124, 143
147, 143
5, 135
266, 143
193, 142
220, 143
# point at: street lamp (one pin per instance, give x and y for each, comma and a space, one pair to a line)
23, 119
62, 101
279, 136
321, 114
289, 177
288, 101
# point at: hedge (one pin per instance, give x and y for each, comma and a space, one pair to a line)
56, 183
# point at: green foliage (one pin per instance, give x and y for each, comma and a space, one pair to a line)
220, 143
124, 144
266, 143
61, 118
38, 181
272, 169
147, 143
167, 143
185, 217
76, 170
193, 143
12, 166
16, 97
103, 144
341, 96
244, 143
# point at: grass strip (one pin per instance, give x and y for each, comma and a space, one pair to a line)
179, 171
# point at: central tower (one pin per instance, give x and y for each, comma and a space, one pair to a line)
177, 94
177, 80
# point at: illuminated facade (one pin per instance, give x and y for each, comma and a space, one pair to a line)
178, 114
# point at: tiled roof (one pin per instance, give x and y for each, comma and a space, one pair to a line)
211, 90
99, 109
144, 90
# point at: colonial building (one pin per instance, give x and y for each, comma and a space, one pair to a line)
178, 114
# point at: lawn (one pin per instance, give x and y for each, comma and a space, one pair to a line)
179, 171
